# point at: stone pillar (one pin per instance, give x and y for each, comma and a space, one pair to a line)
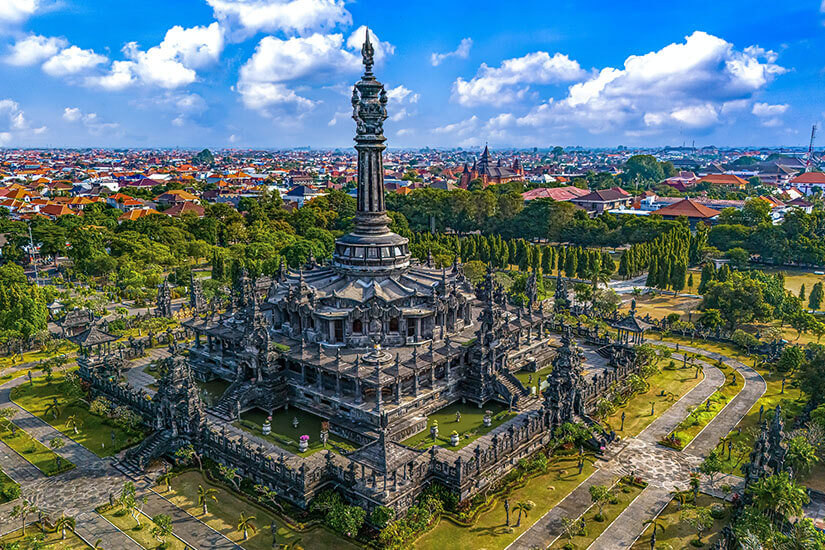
378, 397
432, 376
415, 385
337, 385
358, 398
319, 381
418, 329
397, 391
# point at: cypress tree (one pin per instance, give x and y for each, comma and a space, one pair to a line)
802, 293
652, 273
571, 262
815, 298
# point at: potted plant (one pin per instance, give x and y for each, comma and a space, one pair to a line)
454, 438
303, 443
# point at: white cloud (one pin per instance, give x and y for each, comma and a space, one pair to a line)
93, 123
13, 122
402, 94
318, 57
767, 110
247, 17
34, 49
400, 98
72, 60
72, 114
458, 129
17, 11
499, 85
692, 83
338, 116
356, 40
170, 64
461, 52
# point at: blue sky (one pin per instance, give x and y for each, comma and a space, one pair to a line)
278, 73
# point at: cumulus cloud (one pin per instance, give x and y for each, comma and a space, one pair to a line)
17, 11
72, 114
72, 60
34, 49
170, 64
248, 17
692, 83
401, 99
766, 109
461, 128
13, 122
505, 84
91, 121
264, 78
461, 52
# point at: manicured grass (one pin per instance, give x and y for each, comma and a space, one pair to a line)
52, 540
662, 305
816, 478
743, 435
65, 347
469, 428
524, 376
666, 387
702, 414
95, 433
490, 531
285, 436
43, 458
624, 495
140, 534
679, 534
223, 517
7, 487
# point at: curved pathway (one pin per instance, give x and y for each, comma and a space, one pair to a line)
91, 483
663, 468
639, 455
629, 526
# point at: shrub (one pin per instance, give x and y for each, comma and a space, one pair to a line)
717, 511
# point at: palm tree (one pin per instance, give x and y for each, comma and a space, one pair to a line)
53, 409
64, 522
779, 495
56, 444
291, 545
166, 479
204, 495
679, 496
97, 545
521, 508
245, 524
22, 511
74, 423
657, 524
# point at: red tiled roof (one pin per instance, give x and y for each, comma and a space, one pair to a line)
723, 179
556, 193
185, 208
810, 177
687, 208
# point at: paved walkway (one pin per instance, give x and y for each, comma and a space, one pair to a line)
663, 468
79, 491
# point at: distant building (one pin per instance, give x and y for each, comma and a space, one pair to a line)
560, 194
602, 200
724, 180
488, 173
691, 210
809, 182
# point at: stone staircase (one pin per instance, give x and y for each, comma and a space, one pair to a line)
509, 387
135, 460
227, 406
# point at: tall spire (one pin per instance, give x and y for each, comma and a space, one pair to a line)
371, 246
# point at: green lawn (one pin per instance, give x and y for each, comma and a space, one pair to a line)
666, 387
223, 517
43, 458
701, 415
285, 436
792, 401
624, 495
470, 427
677, 533
490, 532
32, 356
140, 534
52, 540
7, 487
524, 376
95, 433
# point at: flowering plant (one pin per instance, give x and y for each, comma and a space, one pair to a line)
304, 438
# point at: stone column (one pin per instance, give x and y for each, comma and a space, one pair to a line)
358, 398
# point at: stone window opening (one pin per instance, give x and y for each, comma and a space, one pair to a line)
357, 327
394, 325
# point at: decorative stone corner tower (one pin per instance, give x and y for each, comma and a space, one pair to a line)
164, 302
196, 300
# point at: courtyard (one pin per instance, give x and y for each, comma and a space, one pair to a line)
470, 426
285, 433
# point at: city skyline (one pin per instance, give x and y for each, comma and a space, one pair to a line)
256, 74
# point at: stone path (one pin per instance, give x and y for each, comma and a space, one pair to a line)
137, 378
79, 491
186, 527
664, 469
